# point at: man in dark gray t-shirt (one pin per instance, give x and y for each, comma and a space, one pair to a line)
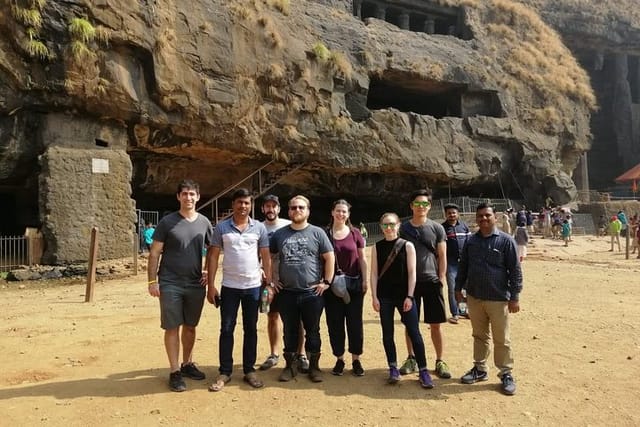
180, 239
306, 269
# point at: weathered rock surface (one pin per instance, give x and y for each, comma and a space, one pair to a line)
214, 89
605, 37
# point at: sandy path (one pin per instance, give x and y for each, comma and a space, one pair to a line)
576, 343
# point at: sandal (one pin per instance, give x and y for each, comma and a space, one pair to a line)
252, 379
219, 383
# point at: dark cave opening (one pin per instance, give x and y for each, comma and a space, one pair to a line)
407, 93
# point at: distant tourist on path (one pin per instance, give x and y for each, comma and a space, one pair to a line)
490, 273
180, 282
566, 232
147, 234
615, 226
522, 240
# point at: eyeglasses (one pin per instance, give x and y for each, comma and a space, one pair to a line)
424, 204
297, 208
388, 225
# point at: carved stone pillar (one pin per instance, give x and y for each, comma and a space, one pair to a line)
403, 21
429, 25
598, 61
357, 8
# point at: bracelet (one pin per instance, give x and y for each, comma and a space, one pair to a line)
151, 282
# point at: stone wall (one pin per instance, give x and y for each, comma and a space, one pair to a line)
83, 184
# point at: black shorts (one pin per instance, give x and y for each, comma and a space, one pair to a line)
180, 305
431, 294
274, 307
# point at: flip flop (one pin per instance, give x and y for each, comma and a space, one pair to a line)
253, 380
219, 382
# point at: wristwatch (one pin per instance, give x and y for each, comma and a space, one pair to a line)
325, 281
410, 297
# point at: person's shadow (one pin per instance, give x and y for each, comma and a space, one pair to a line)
132, 383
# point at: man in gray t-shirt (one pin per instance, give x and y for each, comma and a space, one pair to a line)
306, 269
429, 239
180, 239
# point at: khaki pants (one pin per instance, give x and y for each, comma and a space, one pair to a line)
615, 238
490, 319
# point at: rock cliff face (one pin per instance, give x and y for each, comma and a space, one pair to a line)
605, 38
213, 90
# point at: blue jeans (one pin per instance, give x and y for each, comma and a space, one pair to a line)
410, 321
231, 300
452, 273
301, 306
338, 315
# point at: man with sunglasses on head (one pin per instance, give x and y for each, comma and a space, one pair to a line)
305, 271
429, 239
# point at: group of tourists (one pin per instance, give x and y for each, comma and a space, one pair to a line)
296, 270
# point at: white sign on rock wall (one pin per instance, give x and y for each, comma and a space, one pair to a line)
99, 165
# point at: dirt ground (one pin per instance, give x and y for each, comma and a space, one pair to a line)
576, 345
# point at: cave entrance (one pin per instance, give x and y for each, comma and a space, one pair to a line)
406, 93
19, 210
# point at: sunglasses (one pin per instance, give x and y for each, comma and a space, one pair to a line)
297, 208
388, 225
424, 204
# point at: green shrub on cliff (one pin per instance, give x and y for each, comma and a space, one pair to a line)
81, 29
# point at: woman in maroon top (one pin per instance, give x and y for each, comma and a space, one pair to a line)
348, 246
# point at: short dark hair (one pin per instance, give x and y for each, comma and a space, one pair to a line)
485, 205
451, 206
422, 192
187, 184
241, 193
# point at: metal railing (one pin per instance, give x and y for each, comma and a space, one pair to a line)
17, 251
258, 182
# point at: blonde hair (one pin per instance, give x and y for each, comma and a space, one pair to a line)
393, 214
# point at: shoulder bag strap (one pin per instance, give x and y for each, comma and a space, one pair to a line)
392, 255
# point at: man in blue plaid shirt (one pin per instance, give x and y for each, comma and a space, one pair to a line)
490, 272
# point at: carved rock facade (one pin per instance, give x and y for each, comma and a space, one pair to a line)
216, 89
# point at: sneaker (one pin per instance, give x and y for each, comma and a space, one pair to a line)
190, 370
338, 368
303, 363
453, 320
176, 383
473, 376
508, 385
442, 369
394, 375
425, 379
409, 366
271, 361
357, 368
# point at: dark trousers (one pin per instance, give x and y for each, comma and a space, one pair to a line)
339, 315
301, 306
410, 321
231, 300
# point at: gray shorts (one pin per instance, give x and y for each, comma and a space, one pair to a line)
180, 305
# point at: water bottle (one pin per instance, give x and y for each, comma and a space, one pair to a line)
264, 301
462, 307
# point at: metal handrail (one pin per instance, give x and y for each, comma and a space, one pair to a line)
231, 187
